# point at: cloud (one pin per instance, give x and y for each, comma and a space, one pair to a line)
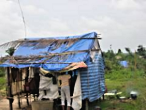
119, 34
11, 23
50, 27
12, 27
33, 10
125, 4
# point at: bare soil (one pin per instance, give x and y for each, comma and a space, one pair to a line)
4, 104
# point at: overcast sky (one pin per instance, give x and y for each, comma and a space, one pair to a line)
121, 23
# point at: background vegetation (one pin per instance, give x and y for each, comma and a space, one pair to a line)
125, 80
2, 83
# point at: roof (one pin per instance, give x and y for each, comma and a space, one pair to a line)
52, 53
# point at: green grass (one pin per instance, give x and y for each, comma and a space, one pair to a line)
125, 83
2, 82
2, 86
2, 72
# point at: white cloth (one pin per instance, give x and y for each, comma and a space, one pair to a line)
24, 72
45, 83
51, 89
77, 95
31, 72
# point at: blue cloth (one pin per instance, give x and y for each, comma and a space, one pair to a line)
92, 79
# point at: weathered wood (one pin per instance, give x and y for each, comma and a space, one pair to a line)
10, 96
27, 98
19, 103
48, 55
87, 104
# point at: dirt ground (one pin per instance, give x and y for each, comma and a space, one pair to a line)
4, 104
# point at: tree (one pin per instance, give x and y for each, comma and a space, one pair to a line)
119, 51
141, 51
10, 51
129, 51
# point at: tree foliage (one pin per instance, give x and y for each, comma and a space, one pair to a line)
10, 51
119, 51
141, 51
136, 60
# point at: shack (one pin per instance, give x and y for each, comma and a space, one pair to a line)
79, 56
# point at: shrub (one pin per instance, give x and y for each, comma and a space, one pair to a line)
2, 72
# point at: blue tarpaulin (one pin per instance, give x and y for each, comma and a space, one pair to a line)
124, 63
92, 79
31, 47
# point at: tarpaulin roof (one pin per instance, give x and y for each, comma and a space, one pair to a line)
53, 53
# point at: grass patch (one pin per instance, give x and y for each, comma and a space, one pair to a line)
2, 86
125, 83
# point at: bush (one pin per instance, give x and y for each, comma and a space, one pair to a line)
2, 72
2, 83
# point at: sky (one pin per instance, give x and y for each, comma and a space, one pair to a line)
121, 23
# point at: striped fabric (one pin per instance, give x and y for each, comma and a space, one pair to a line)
92, 79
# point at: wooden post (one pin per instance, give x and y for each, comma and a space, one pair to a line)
87, 106
135, 61
10, 97
19, 103
26, 81
27, 98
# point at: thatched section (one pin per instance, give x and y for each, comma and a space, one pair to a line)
33, 58
43, 43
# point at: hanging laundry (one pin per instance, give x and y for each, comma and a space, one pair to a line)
50, 88
31, 72
77, 95
14, 72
